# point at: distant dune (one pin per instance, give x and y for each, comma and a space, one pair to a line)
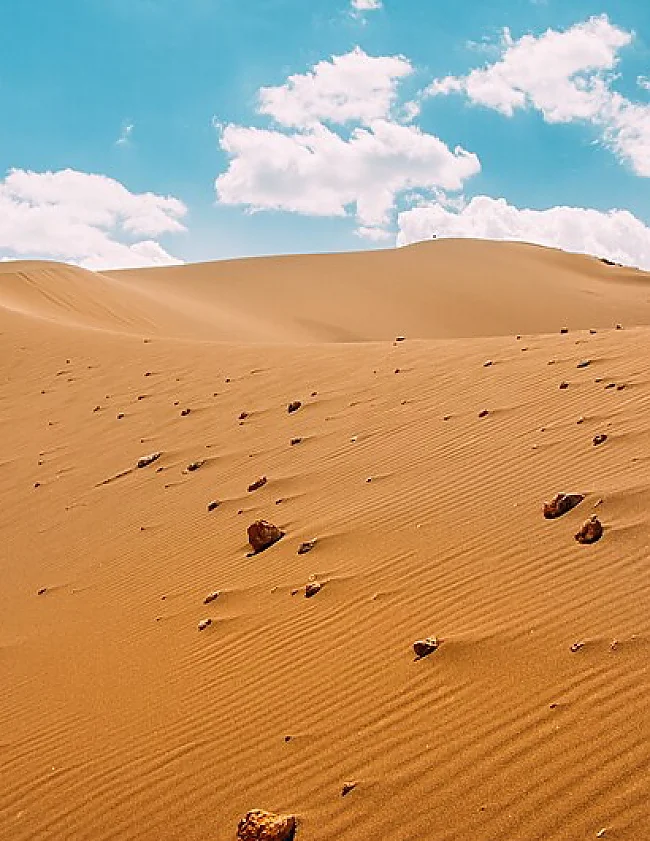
416, 473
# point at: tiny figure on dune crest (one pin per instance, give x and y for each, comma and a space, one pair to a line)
561, 504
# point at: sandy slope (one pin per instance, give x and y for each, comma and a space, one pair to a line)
120, 720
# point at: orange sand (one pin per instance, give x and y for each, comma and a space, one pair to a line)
121, 721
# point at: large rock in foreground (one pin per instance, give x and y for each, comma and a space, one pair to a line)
262, 534
259, 825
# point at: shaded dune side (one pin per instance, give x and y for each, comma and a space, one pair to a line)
152, 730
441, 289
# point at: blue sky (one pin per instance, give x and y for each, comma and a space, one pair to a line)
76, 74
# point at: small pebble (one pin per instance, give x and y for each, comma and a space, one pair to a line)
585, 363
212, 506
258, 483
483, 413
599, 439
185, 412
295, 441
120, 416
488, 363
42, 591
293, 407
564, 384
307, 546
577, 646
347, 788
195, 465
312, 589
211, 597
204, 623
425, 646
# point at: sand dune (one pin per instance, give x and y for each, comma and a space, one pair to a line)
120, 720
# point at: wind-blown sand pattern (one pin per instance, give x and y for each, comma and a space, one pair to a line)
120, 721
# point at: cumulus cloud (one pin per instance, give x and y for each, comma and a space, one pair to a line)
615, 234
309, 167
90, 220
366, 5
567, 76
354, 87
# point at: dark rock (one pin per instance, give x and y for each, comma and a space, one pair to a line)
120, 416
561, 504
577, 646
42, 591
347, 788
293, 407
585, 363
564, 330
307, 546
483, 413
426, 646
262, 534
204, 623
185, 412
211, 597
195, 465
590, 532
599, 439
312, 589
564, 385
212, 506
295, 441
145, 461
243, 415
257, 484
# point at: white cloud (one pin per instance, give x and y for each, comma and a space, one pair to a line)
567, 76
318, 171
643, 82
125, 134
354, 87
366, 5
615, 234
374, 234
91, 220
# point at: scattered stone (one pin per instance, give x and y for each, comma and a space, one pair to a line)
287, 738
293, 407
561, 504
610, 385
42, 591
369, 479
347, 788
279, 501
262, 534
295, 441
120, 416
620, 387
37, 484
590, 532
312, 588
204, 623
400, 338
488, 363
599, 439
147, 373
397, 370
584, 363
257, 484
581, 419
564, 330
619, 326
483, 413
447, 417
195, 465
564, 384
185, 412
314, 394
211, 597
577, 646
426, 646
259, 825
306, 546
145, 461
593, 332
212, 506
97, 409
243, 415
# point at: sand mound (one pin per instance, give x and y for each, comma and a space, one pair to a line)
120, 720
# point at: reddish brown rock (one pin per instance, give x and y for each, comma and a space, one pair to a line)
347, 788
257, 484
307, 546
262, 534
195, 465
293, 407
426, 646
590, 532
312, 589
211, 597
564, 384
560, 504
599, 439
204, 623
483, 413
145, 461
259, 825
185, 413
295, 441
212, 506
243, 415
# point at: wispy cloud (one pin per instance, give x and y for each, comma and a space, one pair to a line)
125, 134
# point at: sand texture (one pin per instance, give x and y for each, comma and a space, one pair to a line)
408, 489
